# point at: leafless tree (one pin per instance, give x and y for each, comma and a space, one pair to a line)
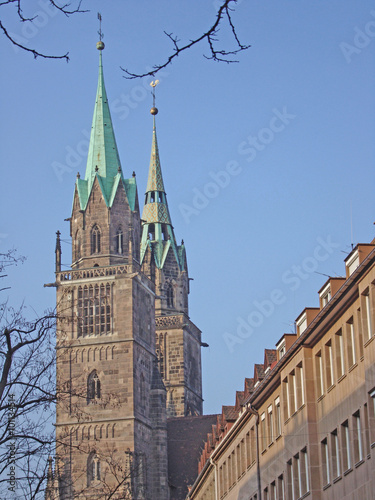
19, 7
223, 15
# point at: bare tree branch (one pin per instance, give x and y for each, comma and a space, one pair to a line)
66, 9
217, 55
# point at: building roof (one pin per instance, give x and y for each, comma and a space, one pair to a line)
186, 440
156, 217
103, 160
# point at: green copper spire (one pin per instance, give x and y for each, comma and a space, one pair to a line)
103, 158
103, 161
157, 233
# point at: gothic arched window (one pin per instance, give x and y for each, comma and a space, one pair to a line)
170, 295
94, 310
93, 468
77, 245
119, 241
93, 386
95, 239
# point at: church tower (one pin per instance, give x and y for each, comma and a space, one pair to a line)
111, 437
178, 340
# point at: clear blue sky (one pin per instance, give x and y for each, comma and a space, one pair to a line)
293, 123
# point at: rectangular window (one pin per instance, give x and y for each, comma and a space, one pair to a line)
304, 472
263, 430
345, 440
357, 437
270, 424
252, 445
360, 334
351, 342
295, 476
278, 416
367, 430
292, 392
291, 490
280, 488
300, 386
286, 399
371, 412
248, 450
238, 456
367, 315
325, 462
265, 494
329, 364
273, 495
340, 354
319, 374
335, 450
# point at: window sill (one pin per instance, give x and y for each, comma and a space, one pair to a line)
341, 378
331, 387
320, 398
279, 436
337, 479
359, 463
348, 471
352, 367
326, 486
373, 445
270, 444
368, 342
307, 494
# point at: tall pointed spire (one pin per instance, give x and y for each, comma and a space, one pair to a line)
103, 158
157, 231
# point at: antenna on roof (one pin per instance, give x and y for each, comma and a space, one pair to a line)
351, 224
100, 33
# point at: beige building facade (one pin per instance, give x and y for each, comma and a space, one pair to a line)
304, 427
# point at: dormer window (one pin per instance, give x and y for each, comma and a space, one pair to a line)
353, 262
281, 348
325, 295
301, 324
95, 239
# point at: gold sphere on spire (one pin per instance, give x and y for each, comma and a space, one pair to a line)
100, 45
154, 111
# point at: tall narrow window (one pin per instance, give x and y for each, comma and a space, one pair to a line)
345, 439
286, 398
93, 468
371, 408
93, 386
319, 374
360, 333
351, 342
299, 386
340, 354
329, 364
335, 450
170, 295
263, 430
293, 392
357, 437
278, 416
95, 239
77, 246
119, 241
367, 315
305, 483
280, 488
270, 424
325, 462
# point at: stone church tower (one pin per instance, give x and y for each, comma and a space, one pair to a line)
127, 352
178, 340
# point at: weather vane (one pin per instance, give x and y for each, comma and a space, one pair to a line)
100, 33
154, 110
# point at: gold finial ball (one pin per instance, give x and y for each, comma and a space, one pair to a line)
154, 111
100, 45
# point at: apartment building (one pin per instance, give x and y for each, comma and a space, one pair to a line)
304, 425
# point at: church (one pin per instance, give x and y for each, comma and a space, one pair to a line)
129, 373
129, 422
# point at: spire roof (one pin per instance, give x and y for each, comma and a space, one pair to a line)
103, 160
155, 177
157, 233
